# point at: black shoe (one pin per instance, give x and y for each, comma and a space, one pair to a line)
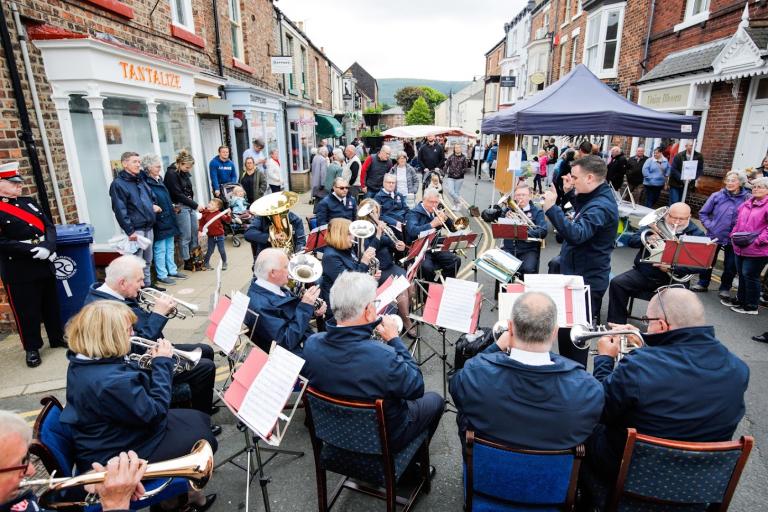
209, 500
214, 409
59, 344
158, 288
215, 430
33, 358
762, 338
729, 302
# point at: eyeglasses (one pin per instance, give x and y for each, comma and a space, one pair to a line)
342, 188
22, 467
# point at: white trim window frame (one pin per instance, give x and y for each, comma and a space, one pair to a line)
574, 50
181, 14
236, 30
696, 11
563, 56
602, 45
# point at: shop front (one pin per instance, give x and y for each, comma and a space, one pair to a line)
301, 129
116, 100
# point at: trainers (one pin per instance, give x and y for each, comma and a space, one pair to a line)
729, 301
207, 267
764, 301
224, 266
699, 288
178, 275
744, 310
166, 280
724, 295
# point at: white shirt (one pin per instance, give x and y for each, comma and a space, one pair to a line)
256, 155
272, 287
402, 180
109, 291
530, 358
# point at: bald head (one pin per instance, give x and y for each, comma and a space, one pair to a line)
534, 319
678, 217
681, 308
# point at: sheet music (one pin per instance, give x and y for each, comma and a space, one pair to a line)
457, 305
426, 232
506, 302
270, 390
556, 286
229, 328
388, 296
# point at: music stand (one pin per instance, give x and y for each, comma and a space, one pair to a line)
503, 231
316, 239
690, 251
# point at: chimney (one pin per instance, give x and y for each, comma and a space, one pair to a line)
300, 24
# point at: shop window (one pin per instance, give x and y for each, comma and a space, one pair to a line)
181, 14
601, 53
236, 29
172, 131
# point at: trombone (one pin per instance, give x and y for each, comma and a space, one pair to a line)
581, 335
517, 213
365, 212
148, 297
183, 360
459, 223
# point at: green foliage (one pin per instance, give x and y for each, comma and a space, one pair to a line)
388, 87
385, 106
370, 133
433, 96
407, 96
374, 109
420, 113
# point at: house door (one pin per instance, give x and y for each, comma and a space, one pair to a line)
753, 140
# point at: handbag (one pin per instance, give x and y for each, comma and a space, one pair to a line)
469, 345
744, 238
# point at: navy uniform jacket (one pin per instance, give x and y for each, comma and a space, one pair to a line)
331, 208
540, 231
417, 221
393, 210
16, 262
384, 250
258, 232
148, 325
113, 407
336, 261
651, 272
684, 385
284, 320
553, 407
346, 362
589, 239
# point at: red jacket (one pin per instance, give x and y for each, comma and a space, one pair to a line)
217, 227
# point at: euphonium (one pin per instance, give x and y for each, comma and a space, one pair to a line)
654, 221
459, 223
360, 230
148, 298
303, 269
196, 467
275, 207
581, 335
183, 360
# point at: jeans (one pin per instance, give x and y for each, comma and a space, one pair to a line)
749, 268
652, 193
164, 253
537, 183
146, 254
452, 187
186, 219
729, 269
217, 242
675, 195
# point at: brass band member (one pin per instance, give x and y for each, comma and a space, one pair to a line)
338, 204
258, 233
112, 406
124, 472
283, 317
527, 251
424, 217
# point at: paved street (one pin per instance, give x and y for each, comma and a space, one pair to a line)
293, 483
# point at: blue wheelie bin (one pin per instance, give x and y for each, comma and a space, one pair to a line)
75, 270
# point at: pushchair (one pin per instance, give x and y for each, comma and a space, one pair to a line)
240, 221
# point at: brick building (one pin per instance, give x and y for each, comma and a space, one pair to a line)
492, 76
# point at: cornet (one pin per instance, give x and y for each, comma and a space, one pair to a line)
148, 297
581, 335
183, 360
365, 212
196, 467
304, 269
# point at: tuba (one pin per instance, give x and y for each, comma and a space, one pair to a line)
304, 269
581, 335
360, 230
654, 221
149, 296
183, 360
275, 207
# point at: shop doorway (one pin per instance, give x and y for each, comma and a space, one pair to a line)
753, 139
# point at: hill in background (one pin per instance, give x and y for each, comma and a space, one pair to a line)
388, 87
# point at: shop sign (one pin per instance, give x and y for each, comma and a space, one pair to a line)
538, 78
667, 98
149, 75
282, 64
255, 98
507, 81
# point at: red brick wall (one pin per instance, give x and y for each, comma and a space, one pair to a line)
723, 125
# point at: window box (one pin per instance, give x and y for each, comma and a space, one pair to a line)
185, 35
114, 7
242, 66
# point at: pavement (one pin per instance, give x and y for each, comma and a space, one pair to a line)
292, 480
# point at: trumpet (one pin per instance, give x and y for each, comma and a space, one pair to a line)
183, 360
303, 269
517, 213
459, 223
365, 212
581, 335
148, 297
360, 230
197, 467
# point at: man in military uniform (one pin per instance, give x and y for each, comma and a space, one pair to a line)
27, 245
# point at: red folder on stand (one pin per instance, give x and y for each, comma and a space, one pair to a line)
316, 239
419, 244
243, 378
688, 253
216, 316
455, 242
435, 297
509, 231
568, 294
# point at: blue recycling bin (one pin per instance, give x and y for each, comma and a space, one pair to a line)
75, 270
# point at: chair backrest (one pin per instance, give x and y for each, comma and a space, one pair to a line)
352, 425
663, 471
529, 477
55, 446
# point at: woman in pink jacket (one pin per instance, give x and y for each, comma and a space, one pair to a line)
541, 172
750, 244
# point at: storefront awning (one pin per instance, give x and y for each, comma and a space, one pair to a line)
328, 126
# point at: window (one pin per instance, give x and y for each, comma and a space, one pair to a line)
574, 50
567, 15
317, 78
761, 91
289, 51
578, 8
696, 11
563, 57
545, 23
304, 71
236, 29
601, 52
181, 14
511, 42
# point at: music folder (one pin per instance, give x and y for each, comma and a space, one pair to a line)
689, 251
462, 319
455, 242
416, 247
316, 238
509, 231
570, 294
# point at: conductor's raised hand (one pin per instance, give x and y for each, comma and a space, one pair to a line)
567, 183
550, 198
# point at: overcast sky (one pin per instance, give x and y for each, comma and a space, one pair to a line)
439, 40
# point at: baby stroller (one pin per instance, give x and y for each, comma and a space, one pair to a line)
240, 221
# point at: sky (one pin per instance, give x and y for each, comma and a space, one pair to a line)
437, 40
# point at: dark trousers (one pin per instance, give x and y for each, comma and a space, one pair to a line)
200, 378
217, 242
275, 188
537, 183
31, 303
446, 261
423, 413
183, 429
676, 195
652, 194
530, 261
565, 346
729, 269
749, 269
629, 284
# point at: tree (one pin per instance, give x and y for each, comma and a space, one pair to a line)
420, 113
406, 96
433, 96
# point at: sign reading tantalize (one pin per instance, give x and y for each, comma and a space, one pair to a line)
150, 75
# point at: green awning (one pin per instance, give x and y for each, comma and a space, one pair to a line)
328, 126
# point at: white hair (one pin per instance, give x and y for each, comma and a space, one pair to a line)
402, 153
11, 423
338, 154
350, 294
124, 267
150, 160
323, 151
385, 148
268, 260
430, 192
762, 181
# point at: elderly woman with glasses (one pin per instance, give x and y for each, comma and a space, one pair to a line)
165, 228
749, 238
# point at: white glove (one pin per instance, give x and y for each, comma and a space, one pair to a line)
40, 253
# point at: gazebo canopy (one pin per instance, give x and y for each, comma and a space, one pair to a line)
416, 131
580, 104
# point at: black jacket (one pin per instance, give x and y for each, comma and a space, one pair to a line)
132, 202
617, 169
676, 169
165, 224
432, 156
255, 185
635, 170
16, 262
179, 185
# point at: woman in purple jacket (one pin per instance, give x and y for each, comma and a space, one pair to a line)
750, 244
719, 216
